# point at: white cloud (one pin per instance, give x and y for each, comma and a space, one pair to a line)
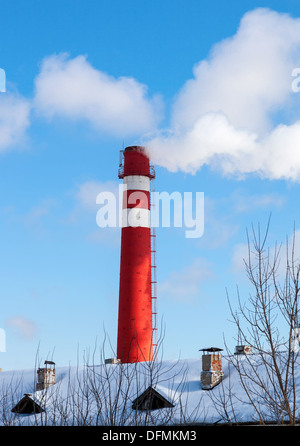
41, 210
225, 116
24, 327
245, 76
229, 116
74, 89
246, 202
184, 285
14, 119
239, 256
86, 193
85, 211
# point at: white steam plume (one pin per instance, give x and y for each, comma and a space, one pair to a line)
239, 113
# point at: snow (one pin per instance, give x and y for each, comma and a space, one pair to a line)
103, 394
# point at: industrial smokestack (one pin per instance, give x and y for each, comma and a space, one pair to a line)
135, 329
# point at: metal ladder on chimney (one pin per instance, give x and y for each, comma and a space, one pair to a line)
153, 277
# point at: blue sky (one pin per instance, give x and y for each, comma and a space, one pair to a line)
207, 86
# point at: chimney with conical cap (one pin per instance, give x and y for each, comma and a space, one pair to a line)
134, 343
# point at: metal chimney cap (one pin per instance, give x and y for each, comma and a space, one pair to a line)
211, 349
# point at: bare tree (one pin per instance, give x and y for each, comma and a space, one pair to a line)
267, 322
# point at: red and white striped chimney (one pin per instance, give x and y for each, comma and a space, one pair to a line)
135, 331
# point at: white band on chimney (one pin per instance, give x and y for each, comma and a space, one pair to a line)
136, 217
137, 182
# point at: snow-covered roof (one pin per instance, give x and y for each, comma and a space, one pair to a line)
103, 394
